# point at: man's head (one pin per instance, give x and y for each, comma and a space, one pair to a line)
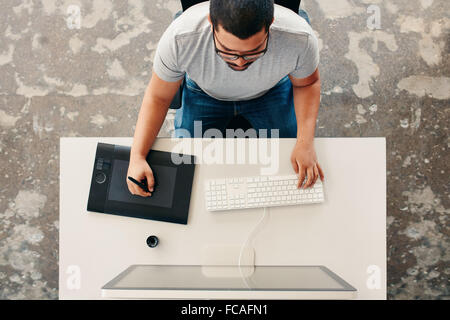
241, 27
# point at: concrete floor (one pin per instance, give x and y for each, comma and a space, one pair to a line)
58, 81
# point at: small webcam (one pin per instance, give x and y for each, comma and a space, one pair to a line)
152, 241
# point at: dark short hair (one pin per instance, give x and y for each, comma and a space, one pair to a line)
242, 18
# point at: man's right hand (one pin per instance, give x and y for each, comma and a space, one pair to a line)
140, 170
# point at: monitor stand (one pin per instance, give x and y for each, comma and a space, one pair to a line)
218, 258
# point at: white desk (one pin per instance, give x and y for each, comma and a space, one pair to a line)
347, 233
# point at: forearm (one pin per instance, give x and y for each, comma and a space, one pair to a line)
150, 119
306, 102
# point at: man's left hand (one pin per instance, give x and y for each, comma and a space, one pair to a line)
304, 162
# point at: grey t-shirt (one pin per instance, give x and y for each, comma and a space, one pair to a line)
187, 47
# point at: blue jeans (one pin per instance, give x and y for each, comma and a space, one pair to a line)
273, 110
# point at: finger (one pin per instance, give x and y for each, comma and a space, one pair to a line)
322, 176
136, 190
294, 165
144, 193
313, 177
141, 192
131, 187
301, 177
310, 179
150, 180
316, 174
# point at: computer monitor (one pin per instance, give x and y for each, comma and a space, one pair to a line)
191, 282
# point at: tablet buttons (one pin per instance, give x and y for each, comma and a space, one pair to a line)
99, 165
100, 177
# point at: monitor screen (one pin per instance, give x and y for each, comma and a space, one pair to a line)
162, 196
172, 277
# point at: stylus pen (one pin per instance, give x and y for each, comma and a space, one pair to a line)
140, 184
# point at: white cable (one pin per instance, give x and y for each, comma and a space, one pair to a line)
245, 243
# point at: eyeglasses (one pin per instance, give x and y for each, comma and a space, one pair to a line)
230, 56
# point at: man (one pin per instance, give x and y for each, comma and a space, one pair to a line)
244, 57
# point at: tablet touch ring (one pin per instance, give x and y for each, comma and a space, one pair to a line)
100, 177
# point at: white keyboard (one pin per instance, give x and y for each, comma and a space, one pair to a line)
260, 191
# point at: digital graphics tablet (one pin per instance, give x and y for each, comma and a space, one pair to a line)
170, 199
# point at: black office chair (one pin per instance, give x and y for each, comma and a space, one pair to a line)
238, 122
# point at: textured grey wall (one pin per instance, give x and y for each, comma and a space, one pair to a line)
58, 81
